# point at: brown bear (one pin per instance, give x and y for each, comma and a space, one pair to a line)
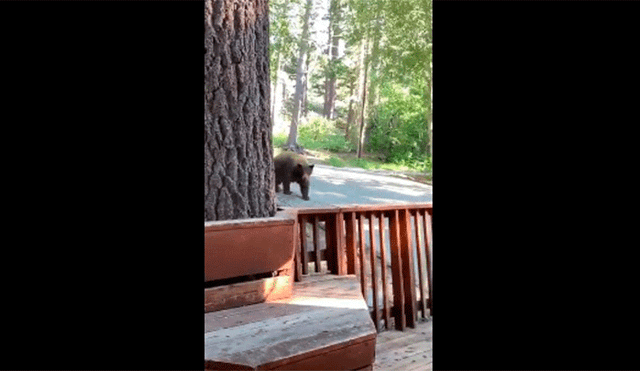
292, 167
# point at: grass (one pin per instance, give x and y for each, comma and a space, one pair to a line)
350, 160
334, 157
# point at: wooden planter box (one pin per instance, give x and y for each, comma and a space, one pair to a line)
248, 246
245, 247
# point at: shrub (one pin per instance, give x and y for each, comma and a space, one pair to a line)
320, 133
334, 161
399, 128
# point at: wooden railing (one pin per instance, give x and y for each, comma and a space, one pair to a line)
392, 259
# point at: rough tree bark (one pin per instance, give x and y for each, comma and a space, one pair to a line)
239, 178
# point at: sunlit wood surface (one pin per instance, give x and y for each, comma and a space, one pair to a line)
325, 325
405, 350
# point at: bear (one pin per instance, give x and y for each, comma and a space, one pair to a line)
292, 167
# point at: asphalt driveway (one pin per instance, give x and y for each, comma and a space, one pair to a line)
346, 186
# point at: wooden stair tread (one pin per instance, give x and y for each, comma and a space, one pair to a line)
324, 325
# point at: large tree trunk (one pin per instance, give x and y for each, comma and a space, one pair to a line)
292, 142
238, 157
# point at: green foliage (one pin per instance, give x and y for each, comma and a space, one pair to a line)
336, 162
320, 133
399, 127
279, 140
398, 39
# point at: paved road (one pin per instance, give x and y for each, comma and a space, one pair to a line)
345, 186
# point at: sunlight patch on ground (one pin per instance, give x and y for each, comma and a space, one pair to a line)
333, 194
328, 302
379, 200
402, 190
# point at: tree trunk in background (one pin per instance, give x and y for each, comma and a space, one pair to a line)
351, 81
304, 105
274, 94
292, 142
349, 114
334, 41
431, 123
238, 157
373, 66
364, 96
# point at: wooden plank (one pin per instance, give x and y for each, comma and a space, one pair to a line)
281, 218
366, 368
341, 261
363, 275
215, 321
217, 366
427, 251
318, 210
407, 268
245, 293
316, 244
385, 207
407, 350
330, 243
298, 254
374, 276
303, 248
305, 332
351, 243
383, 261
324, 325
264, 248
421, 263
396, 270
406, 360
363, 208
350, 355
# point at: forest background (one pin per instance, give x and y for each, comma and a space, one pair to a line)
351, 81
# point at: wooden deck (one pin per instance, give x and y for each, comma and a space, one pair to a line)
325, 325
405, 350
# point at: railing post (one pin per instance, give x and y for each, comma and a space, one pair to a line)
407, 266
383, 263
396, 269
339, 248
346, 254
303, 242
427, 250
316, 243
374, 276
297, 247
421, 263
351, 243
363, 274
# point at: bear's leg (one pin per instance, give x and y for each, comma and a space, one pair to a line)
285, 184
277, 187
304, 189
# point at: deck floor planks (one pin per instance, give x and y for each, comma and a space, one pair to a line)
405, 350
325, 316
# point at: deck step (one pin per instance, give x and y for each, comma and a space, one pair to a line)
325, 325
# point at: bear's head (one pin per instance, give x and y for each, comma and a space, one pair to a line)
303, 173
